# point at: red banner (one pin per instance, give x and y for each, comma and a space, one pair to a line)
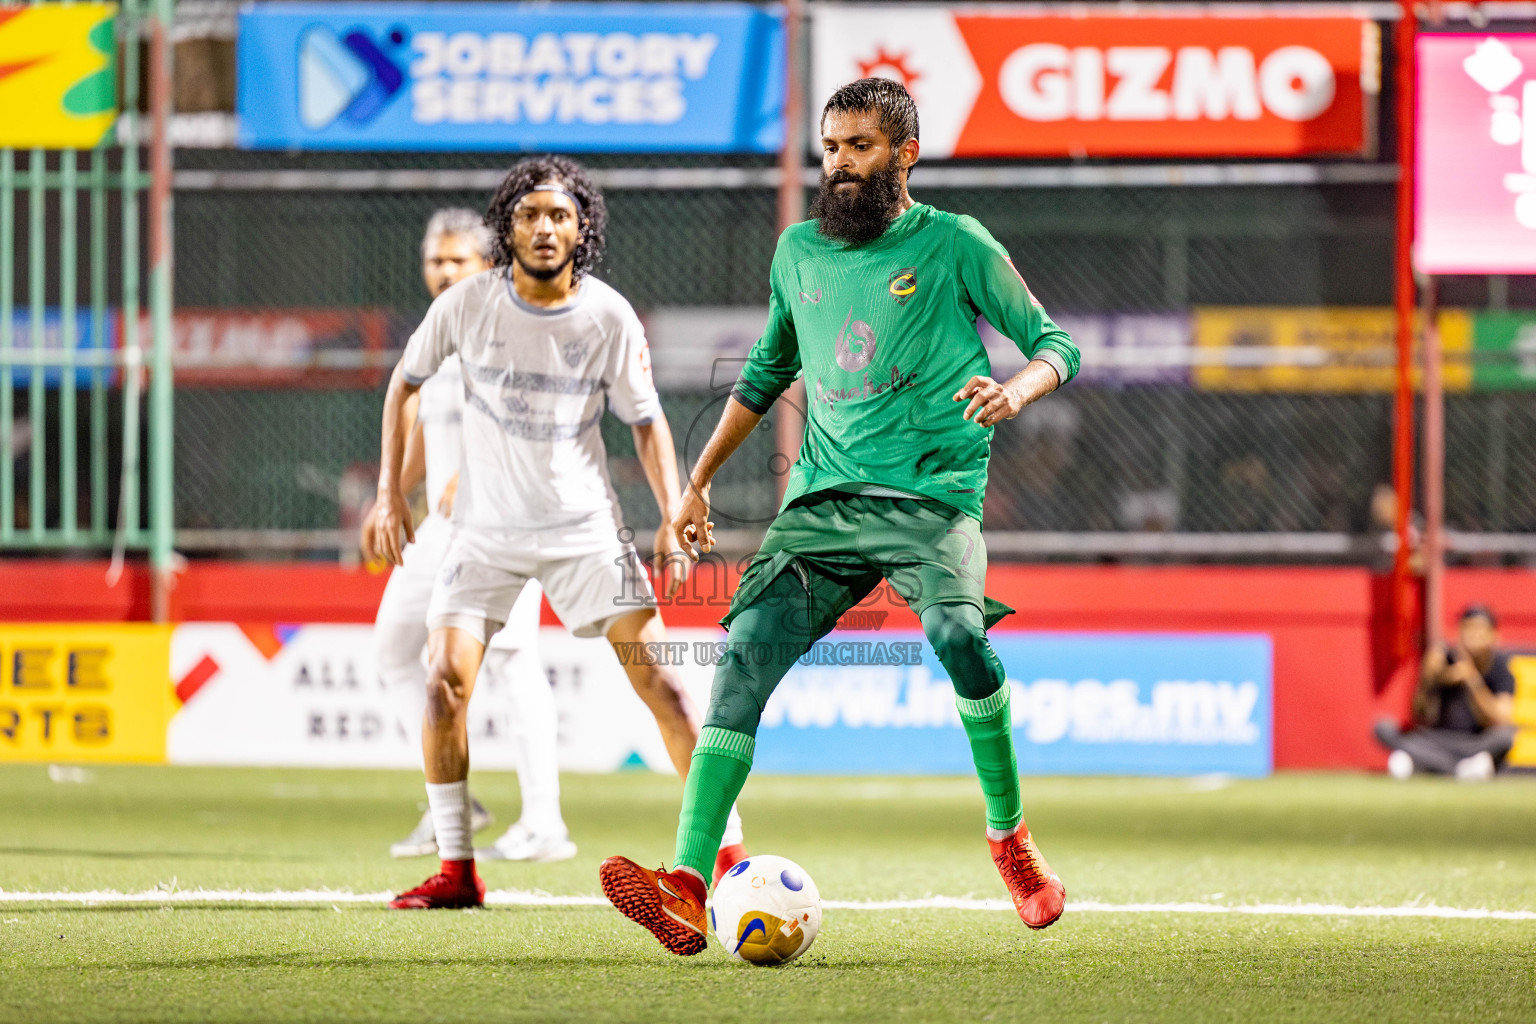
999, 82
282, 347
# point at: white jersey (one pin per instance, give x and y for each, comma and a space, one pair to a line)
534, 385
441, 415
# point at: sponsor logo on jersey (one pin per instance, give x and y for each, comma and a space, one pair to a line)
831, 396
855, 332
573, 352
903, 284
812, 297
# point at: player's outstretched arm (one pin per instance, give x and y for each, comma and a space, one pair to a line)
653, 445
691, 524
392, 513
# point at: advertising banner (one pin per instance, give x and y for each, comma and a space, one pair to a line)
76, 693
1284, 348
88, 334
1476, 179
283, 347
706, 346
575, 77
1523, 754
1117, 348
1504, 352
58, 82
1008, 81
863, 702
1096, 704
310, 695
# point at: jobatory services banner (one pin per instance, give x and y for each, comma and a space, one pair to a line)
58, 83
492, 76
1476, 178
76, 693
1000, 81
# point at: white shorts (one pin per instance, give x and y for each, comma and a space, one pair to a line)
408, 594
590, 576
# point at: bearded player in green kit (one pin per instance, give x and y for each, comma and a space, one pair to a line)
876, 301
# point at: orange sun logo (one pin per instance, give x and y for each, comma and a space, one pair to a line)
885, 64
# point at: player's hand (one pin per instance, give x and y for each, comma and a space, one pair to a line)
691, 525
990, 402
671, 563
450, 492
365, 537
391, 516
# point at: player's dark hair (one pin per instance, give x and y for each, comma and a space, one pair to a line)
572, 177
1479, 611
898, 112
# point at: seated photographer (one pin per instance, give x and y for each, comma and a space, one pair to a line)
1462, 712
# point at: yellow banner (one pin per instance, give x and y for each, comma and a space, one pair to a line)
58, 87
1278, 348
77, 693
1524, 752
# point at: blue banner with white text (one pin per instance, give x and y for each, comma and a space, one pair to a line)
93, 338
574, 77
1082, 704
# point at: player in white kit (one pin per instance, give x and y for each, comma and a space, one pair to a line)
542, 344
455, 245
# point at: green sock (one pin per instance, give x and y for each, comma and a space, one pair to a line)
989, 726
721, 760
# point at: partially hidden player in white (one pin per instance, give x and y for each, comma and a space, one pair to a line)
542, 346
456, 245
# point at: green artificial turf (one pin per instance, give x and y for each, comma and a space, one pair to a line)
1326, 839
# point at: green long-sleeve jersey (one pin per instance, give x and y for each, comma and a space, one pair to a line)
885, 334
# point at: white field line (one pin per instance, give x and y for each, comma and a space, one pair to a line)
520, 898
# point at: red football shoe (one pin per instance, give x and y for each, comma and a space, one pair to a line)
727, 858
668, 904
1038, 894
456, 886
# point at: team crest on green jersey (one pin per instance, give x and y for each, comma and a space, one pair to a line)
903, 284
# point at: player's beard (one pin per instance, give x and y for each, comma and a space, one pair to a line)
544, 273
863, 214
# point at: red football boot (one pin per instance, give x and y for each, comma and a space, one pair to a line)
727, 858
1038, 894
669, 904
456, 886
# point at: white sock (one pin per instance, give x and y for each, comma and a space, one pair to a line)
732, 828
997, 834
449, 802
531, 708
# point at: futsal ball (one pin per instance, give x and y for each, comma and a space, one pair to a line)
766, 911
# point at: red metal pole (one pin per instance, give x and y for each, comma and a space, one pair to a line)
1434, 475
1406, 299
789, 425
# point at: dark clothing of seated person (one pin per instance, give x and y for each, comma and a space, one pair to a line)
1463, 709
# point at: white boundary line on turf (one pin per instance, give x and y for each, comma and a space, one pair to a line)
520, 898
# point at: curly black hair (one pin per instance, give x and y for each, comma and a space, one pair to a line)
569, 175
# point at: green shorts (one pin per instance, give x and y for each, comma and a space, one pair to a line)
842, 545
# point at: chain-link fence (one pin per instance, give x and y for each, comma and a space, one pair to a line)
1146, 456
